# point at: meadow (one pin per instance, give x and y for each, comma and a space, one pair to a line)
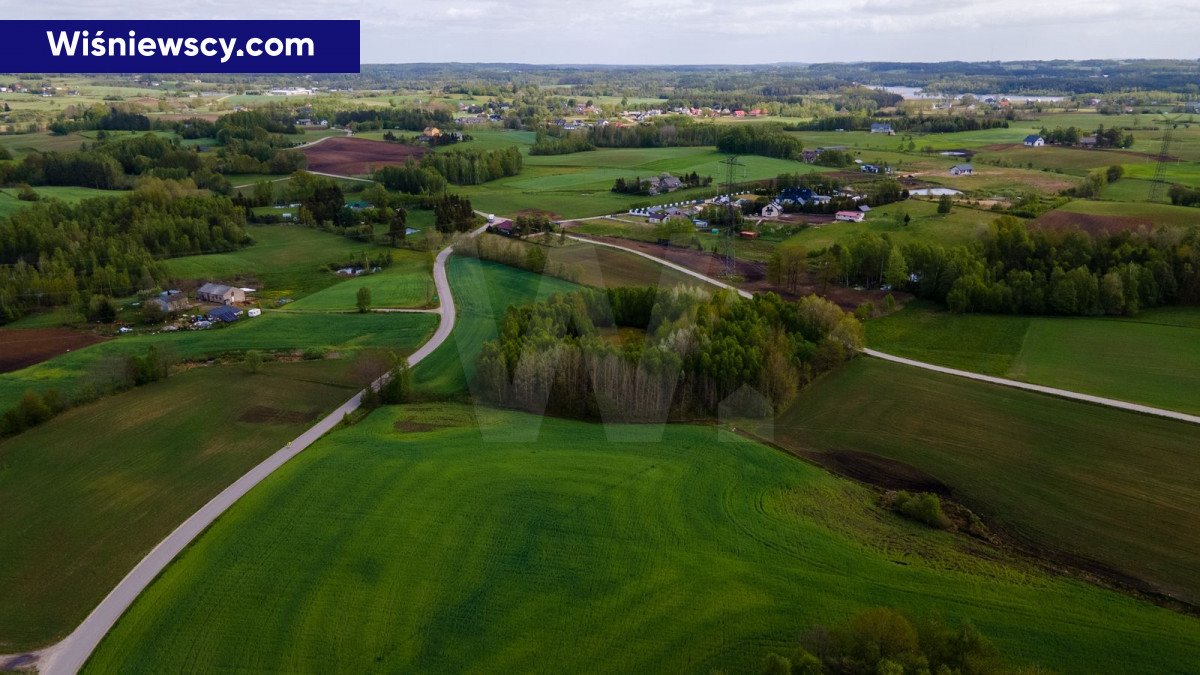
483, 291
601, 266
274, 331
1108, 490
9, 203
579, 185
441, 538
407, 283
1152, 358
286, 260
87, 494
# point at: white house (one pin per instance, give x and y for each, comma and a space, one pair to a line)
962, 170
1034, 141
772, 210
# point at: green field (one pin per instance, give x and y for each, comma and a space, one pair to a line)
434, 539
482, 291
87, 494
273, 331
1158, 214
578, 185
10, 204
287, 260
1152, 358
1112, 488
407, 283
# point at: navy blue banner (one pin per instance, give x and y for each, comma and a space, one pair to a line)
179, 46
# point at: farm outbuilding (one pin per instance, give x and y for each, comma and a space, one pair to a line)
226, 295
850, 216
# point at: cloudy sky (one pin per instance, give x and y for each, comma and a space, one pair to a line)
707, 31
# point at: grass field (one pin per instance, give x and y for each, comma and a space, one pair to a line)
286, 260
482, 290
90, 492
1159, 214
409, 542
273, 331
407, 283
1153, 358
1113, 488
10, 204
579, 185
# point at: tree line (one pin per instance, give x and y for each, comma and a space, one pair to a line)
1015, 269
700, 355
53, 253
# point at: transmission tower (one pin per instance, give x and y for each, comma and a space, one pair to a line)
1160, 170
725, 250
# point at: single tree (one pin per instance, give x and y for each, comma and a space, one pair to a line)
398, 226
945, 203
363, 300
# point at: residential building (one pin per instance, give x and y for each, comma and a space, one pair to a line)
882, 128
171, 301
1034, 141
962, 170
772, 210
220, 293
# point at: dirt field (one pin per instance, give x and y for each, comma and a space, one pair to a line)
1092, 224
23, 347
357, 156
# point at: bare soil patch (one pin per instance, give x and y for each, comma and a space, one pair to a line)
1090, 223
358, 156
23, 347
261, 414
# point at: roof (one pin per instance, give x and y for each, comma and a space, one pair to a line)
851, 214
214, 289
224, 313
962, 167
1033, 137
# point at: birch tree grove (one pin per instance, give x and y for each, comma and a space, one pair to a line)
647, 354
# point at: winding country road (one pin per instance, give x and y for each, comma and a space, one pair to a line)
69, 655
1004, 382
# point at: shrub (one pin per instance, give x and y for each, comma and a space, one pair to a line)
925, 507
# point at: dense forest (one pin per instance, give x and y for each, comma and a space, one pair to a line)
689, 354
53, 253
1015, 269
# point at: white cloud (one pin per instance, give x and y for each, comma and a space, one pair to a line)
710, 31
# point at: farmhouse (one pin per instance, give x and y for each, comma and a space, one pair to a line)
225, 295
1034, 141
850, 216
794, 195
882, 128
962, 170
170, 301
772, 210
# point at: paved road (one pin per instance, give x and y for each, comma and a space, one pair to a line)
679, 268
68, 656
1052, 391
